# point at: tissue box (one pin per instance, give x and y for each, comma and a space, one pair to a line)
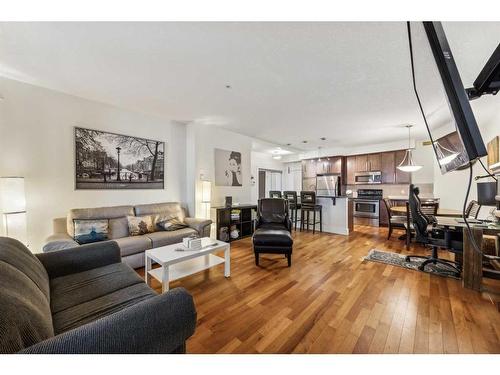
192, 243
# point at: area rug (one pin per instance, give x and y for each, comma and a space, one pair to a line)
395, 259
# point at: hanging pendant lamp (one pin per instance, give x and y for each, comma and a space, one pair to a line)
407, 164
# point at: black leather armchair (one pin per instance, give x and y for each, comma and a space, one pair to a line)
273, 229
427, 234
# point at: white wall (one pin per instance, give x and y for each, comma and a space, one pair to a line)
36, 135
202, 141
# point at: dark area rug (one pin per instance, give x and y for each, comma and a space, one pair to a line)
395, 259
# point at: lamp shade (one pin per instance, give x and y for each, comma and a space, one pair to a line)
206, 191
12, 196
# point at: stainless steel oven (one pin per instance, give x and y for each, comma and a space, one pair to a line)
367, 208
367, 178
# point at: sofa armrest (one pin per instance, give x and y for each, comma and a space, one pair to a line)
160, 324
202, 226
78, 259
59, 241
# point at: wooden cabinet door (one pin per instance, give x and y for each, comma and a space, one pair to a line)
336, 165
401, 177
361, 163
350, 169
308, 168
374, 162
321, 166
388, 167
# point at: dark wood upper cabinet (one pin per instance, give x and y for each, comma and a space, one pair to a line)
374, 162
388, 167
308, 168
350, 169
361, 163
335, 165
401, 177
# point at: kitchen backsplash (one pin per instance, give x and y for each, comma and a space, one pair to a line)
426, 190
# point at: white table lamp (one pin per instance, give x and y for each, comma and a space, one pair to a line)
13, 206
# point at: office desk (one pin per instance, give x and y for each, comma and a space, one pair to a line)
444, 212
472, 273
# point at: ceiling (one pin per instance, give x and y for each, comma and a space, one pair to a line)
279, 82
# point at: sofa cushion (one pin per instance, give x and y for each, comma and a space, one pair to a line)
100, 307
97, 213
88, 231
139, 225
25, 316
164, 238
118, 227
133, 245
74, 289
170, 209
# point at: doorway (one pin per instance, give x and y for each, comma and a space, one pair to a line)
269, 179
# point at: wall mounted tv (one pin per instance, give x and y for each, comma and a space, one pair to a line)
442, 97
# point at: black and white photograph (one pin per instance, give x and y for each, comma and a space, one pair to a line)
227, 168
114, 161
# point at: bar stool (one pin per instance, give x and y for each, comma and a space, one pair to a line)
293, 205
308, 205
274, 194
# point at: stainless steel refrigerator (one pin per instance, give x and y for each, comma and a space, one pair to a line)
328, 185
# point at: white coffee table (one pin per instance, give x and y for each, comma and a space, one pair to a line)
177, 264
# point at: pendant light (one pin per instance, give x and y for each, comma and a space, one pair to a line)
407, 164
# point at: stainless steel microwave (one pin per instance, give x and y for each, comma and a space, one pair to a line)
367, 178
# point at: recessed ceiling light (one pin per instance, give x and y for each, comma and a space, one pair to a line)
228, 86
323, 138
304, 141
277, 157
288, 144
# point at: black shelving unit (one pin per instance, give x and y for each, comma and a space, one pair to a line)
241, 217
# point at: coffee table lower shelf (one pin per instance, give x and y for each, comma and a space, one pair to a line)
188, 267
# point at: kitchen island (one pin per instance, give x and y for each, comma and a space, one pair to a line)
337, 214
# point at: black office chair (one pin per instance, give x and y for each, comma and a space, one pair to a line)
472, 209
293, 206
426, 234
274, 194
273, 229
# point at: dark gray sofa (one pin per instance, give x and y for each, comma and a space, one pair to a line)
85, 300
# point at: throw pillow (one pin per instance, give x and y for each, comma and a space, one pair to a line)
170, 224
138, 225
87, 231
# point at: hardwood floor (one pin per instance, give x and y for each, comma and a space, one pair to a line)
331, 301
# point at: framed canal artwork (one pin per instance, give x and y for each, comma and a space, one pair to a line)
114, 161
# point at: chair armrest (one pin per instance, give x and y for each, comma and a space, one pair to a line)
59, 241
78, 259
160, 324
202, 226
288, 224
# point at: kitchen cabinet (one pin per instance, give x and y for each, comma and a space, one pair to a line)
350, 169
308, 168
401, 177
388, 167
361, 163
374, 162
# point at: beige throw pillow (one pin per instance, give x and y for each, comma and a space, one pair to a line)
138, 225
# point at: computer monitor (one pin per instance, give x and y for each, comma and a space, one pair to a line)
486, 193
444, 102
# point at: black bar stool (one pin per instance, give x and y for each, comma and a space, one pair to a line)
274, 194
293, 205
308, 205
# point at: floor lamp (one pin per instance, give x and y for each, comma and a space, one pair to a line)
13, 205
206, 196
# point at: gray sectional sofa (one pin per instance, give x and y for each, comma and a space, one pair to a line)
131, 247
85, 300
